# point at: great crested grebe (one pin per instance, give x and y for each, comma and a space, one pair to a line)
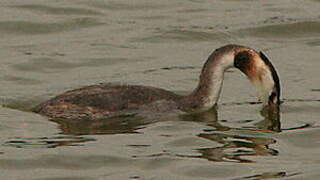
106, 100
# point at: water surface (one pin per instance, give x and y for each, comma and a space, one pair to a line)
49, 47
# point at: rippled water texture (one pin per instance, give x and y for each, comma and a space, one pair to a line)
48, 47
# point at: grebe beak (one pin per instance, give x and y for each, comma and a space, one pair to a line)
274, 95
262, 74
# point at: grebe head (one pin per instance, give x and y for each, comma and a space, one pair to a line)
261, 73
255, 65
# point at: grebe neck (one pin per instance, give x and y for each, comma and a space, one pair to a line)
207, 93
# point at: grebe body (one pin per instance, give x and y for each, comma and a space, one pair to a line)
106, 100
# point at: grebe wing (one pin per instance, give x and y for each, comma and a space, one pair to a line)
102, 100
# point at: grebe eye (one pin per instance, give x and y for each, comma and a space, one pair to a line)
241, 59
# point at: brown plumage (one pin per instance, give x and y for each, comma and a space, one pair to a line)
107, 100
102, 100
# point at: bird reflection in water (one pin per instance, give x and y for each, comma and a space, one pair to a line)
128, 123
234, 146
